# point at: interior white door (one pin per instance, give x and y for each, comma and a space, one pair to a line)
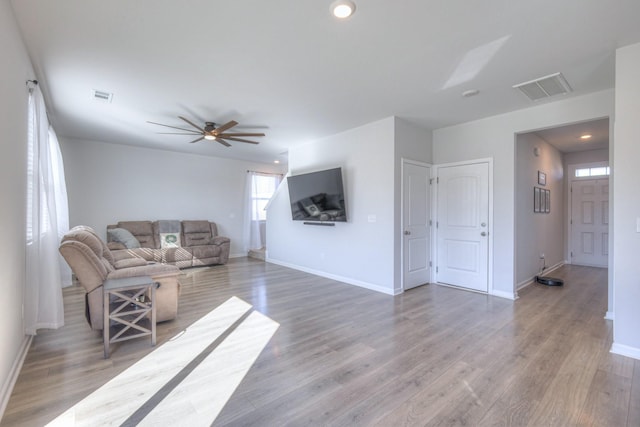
463, 226
590, 222
415, 222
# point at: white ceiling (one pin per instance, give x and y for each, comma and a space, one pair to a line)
567, 138
288, 68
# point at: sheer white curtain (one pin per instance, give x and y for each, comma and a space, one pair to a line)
46, 217
258, 190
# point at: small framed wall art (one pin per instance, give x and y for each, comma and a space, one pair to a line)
541, 200
542, 178
547, 202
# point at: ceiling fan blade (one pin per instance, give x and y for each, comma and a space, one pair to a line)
178, 133
239, 134
196, 140
192, 124
225, 143
228, 125
172, 127
231, 138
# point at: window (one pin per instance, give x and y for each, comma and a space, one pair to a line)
262, 188
596, 171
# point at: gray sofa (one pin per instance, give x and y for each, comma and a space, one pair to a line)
195, 243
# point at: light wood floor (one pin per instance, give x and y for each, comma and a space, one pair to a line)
348, 356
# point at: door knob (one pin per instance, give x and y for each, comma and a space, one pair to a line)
407, 232
483, 233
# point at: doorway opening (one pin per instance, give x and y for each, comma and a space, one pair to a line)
546, 219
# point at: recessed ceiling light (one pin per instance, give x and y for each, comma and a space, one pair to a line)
343, 8
585, 136
276, 161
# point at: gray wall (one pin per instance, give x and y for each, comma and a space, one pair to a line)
16, 70
537, 233
589, 156
495, 137
364, 250
626, 184
107, 183
411, 143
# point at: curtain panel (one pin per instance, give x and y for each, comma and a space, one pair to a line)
47, 220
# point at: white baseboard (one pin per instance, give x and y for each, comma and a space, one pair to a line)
554, 267
532, 280
237, 255
7, 387
343, 279
625, 350
609, 315
502, 294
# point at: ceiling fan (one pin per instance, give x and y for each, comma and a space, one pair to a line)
211, 132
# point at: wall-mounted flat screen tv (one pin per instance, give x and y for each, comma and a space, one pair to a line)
317, 196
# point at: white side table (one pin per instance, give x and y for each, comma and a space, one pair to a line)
126, 307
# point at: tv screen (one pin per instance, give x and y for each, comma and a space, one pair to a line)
317, 196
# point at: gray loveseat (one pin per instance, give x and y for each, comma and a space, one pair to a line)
191, 243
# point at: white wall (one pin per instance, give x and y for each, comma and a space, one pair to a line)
626, 185
16, 70
538, 233
107, 183
495, 137
359, 252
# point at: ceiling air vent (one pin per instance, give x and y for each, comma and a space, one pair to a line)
544, 87
99, 95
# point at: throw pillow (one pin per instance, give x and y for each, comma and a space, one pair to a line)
169, 240
123, 236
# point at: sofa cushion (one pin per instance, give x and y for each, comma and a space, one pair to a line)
196, 227
124, 236
178, 256
114, 246
197, 239
147, 254
196, 233
130, 262
142, 230
207, 251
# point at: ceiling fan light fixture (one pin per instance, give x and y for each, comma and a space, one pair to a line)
343, 8
209, 137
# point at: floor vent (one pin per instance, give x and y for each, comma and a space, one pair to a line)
545, 87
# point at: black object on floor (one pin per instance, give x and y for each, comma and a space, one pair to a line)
549, 281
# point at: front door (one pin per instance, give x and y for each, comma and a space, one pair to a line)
415, 224
463, 226
590, 222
